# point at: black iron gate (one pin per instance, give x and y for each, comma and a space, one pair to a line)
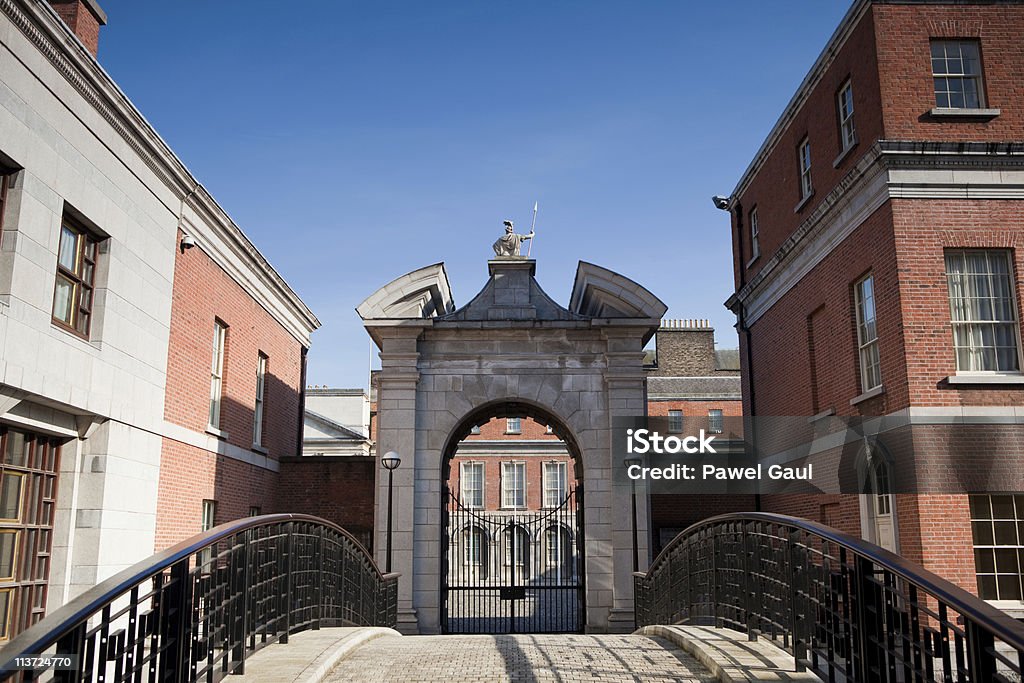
513, 571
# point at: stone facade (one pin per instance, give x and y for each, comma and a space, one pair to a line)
510, 352
126, 390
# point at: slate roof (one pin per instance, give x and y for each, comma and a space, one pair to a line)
727, 387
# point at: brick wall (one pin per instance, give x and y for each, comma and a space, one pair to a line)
923, 230
203, 293
494, 430
804, 348
685, 352
792, 375
189, 475
904, 59
340, 490
775, 190
81, 20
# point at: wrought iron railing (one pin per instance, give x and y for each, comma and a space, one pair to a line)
845, 608
195, 611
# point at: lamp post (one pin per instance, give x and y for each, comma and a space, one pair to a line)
629, 462
390, 462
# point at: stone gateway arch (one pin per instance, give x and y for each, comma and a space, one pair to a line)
511, 348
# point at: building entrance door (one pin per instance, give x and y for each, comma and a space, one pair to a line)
512, 571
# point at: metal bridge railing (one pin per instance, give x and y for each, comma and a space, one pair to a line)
845, 608
195, 611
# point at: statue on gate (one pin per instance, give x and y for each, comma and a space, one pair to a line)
509, 243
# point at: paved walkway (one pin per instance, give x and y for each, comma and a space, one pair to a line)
526, 659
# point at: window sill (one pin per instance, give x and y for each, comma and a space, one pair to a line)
986, 379
256, 448
219, 433
842, 155
513, 433
869, 394
952, 113
803, 202
1015, 608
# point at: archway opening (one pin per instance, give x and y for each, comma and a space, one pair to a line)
512, 517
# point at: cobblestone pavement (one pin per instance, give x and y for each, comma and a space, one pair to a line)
519, 658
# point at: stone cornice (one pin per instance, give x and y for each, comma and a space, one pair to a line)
891, 168
56, 42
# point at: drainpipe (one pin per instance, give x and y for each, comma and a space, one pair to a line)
741, 325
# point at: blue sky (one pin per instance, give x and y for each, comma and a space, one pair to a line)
354, 142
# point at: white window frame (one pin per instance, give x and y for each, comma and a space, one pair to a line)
513, 425
513, 481
964, 301
675, 427
556, 483
847, 128
804, 153
207, 522
755, 231
464, 492
261, 384
962, 76
716, 420
517, 547
867, 333
474, 541
220, 333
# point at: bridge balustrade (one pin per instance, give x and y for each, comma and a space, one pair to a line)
195, 611
845, 608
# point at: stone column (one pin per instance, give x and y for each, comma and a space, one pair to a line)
396, 431
625, 383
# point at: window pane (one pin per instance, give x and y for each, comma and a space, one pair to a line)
17, 449
8, 550
10, 495
5, 613
983, 310
64, 299
67, 256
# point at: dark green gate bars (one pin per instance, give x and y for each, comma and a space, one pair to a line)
195, 611
845, 608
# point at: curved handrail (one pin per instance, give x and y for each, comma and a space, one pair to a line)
862, 562
65, 619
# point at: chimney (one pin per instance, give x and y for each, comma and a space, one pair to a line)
84, 18
686, 348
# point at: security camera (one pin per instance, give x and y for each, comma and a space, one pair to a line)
187, 242
721, 202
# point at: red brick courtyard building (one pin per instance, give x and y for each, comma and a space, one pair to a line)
877, 242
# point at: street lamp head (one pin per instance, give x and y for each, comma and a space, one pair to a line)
391, 460
629, 462
721, 202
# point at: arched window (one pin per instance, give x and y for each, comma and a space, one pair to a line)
517, 552
474, 551
558, 552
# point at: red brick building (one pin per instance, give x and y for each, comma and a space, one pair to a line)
694, 386
511, 464
235, 376
877, 241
